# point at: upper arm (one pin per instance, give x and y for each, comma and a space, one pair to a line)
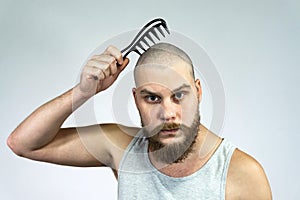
246, 178
82, 146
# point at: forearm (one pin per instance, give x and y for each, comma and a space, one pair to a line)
40, 136
41, 127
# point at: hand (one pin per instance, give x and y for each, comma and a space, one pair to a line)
101, 71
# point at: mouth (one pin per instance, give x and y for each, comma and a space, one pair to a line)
168, 132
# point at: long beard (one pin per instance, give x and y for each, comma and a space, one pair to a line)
178, 151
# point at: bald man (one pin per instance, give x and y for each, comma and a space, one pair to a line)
172, 156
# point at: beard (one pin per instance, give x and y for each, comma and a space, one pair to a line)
178, 151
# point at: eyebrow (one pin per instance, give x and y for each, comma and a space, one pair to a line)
184, 86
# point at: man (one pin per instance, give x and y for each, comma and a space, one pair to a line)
172, 157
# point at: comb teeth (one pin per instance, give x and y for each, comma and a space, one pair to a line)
137, 51
141, 46
150, 38
154, 27
165, 27
154, 33
160, 30
145, 42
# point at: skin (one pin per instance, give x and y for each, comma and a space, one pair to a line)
40, 136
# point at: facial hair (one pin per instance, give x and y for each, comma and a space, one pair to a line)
176, 152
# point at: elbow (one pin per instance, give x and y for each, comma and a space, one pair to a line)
14, 145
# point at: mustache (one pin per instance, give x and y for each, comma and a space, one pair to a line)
170, 126
167, 126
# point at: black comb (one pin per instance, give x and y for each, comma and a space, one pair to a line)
148, 32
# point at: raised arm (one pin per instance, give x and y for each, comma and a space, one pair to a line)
40, 136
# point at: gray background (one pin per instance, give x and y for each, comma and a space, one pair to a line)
254, 44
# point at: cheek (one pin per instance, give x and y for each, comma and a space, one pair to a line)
188, 112
147, 113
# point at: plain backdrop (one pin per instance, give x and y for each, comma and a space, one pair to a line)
254, 44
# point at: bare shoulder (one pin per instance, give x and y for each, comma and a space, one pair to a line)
246, 178
118, 137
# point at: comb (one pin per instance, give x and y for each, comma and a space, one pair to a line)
145, 37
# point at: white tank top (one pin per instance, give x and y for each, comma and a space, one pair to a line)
139, 179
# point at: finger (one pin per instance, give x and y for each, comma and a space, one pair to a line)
103, 57
115, 52
104, 66
123, 66
113, 68
106, 58
95, 73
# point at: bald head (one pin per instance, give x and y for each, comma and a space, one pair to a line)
164, 55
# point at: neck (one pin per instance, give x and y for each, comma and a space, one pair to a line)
204, 147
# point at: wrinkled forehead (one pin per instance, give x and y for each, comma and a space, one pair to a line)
170, 77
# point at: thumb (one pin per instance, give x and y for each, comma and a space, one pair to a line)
123, 66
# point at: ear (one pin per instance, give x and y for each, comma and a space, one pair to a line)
199, 89
134, 95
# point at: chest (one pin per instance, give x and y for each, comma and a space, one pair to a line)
153, 185
183, 169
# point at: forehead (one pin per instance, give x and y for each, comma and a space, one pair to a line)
168, 76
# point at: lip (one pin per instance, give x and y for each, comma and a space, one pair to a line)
169, 132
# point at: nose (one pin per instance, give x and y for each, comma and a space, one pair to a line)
168, 111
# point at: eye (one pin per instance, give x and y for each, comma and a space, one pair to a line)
178, 96
152, 99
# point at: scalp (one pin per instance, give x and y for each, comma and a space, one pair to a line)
165, 55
